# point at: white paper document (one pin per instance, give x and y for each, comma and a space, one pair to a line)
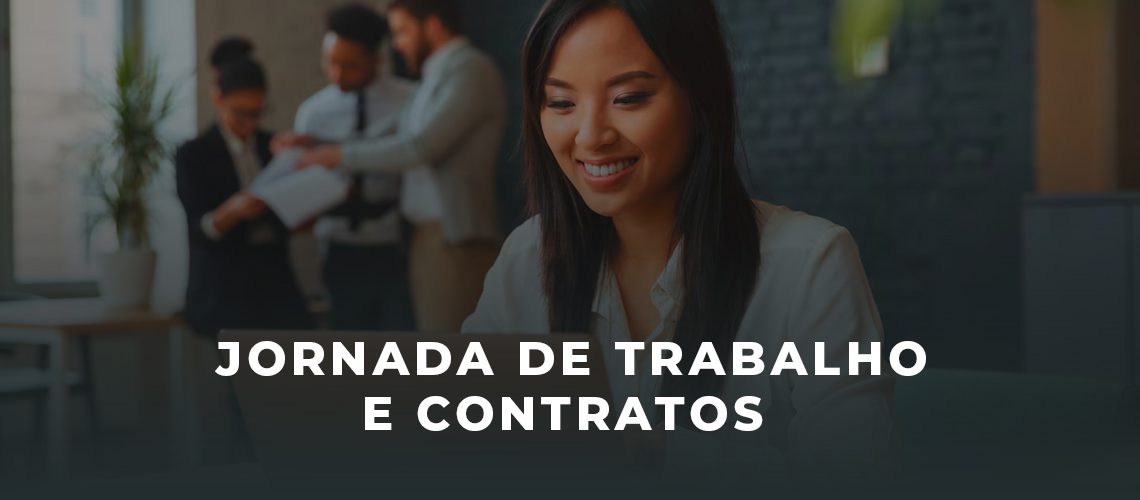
297, 196
282, 165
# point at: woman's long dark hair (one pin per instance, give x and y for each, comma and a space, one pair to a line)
715, 215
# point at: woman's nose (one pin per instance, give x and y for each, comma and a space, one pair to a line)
595, 131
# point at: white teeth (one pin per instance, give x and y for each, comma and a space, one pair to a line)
608, 170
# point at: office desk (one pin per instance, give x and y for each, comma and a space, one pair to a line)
57, 324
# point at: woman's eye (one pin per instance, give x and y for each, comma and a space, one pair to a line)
560, 105
631, 99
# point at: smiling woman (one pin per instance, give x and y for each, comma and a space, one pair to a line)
644, 232
643, 135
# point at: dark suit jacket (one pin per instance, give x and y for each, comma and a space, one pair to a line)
244, 280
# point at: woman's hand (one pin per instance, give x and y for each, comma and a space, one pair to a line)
306, 227
239, 207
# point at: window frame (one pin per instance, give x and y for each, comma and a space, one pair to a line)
131, 16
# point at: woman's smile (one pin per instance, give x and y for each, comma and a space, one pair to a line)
607, 174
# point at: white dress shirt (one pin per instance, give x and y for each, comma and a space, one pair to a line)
421, 202
245, 160
330, 115
810, 288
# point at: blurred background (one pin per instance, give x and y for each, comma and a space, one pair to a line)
985, 154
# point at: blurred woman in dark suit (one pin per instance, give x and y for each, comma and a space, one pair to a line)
240, 272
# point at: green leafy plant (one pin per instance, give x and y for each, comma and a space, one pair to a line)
127, 155
859, 23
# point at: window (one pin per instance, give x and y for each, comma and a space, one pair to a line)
62, 53
54, 58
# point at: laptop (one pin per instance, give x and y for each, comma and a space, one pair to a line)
314, 426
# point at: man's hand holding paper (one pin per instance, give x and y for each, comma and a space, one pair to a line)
326, 156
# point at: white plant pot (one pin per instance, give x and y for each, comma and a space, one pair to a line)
126, 278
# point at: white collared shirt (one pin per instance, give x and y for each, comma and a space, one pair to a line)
810, 288
611, 325
330, 115
421, 201
244, 155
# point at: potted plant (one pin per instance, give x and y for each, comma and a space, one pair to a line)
124, 160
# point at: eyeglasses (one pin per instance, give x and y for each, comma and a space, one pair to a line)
252, 114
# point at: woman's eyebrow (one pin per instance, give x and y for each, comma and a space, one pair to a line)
554, 82
632, 75
612, 82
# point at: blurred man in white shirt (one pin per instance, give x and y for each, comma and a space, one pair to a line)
365, 265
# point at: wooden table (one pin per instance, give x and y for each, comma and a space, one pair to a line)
56, 323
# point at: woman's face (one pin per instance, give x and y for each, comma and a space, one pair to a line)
240, 111
616, 121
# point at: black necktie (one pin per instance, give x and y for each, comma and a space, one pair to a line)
361, 113
356, 195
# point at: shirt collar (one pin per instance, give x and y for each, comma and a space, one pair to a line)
236, 145
667, 293
671, 281
369, 90
434, 61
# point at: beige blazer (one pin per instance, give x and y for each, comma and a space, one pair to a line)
458, 136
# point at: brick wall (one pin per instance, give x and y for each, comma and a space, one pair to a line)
925, 166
